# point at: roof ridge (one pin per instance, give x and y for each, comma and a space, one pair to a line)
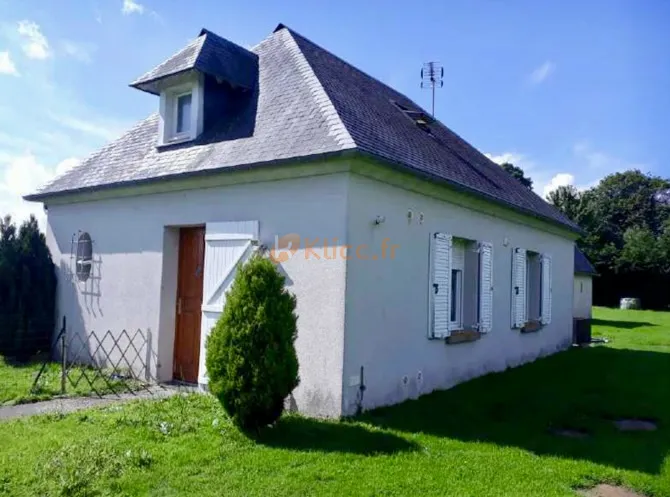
337, 128
356, 68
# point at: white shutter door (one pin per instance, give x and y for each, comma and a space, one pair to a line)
518, 288
546, 290
485, 287
226, 245
440, 288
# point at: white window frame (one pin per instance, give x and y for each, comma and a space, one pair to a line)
452, 274
169, 109
179, 135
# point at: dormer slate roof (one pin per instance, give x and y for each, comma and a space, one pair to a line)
307, 103
208, 54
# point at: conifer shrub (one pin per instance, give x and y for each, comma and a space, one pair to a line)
251, 359
27, 290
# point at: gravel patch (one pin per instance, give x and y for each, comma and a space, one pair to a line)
67, 405
604, 490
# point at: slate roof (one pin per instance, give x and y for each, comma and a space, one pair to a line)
582, 264
209, 54
308, 103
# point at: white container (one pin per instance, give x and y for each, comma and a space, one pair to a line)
629, 303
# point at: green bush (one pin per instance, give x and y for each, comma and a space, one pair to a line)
27, 290
251, 358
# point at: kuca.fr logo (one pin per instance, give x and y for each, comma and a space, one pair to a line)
318, 248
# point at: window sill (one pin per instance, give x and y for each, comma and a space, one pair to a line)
176, 140
463, 336
532, 327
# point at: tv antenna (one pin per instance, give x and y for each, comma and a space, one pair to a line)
432, 74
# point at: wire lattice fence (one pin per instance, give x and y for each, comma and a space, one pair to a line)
106, 363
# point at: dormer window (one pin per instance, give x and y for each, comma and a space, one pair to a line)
181, 110
208, 61
183, 114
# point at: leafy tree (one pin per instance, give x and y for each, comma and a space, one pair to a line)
27, 290
568, 200
664, 248
8, 290
518, 174
251, 358
640, 251
37, 285
626, 219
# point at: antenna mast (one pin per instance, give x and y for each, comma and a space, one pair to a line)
432, 75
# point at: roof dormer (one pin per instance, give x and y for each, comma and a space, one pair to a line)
180, 82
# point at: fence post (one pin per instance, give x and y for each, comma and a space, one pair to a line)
63, 372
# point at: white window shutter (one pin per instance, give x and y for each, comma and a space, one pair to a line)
485, 287
440, 286
226, 246
518, 288
545, 314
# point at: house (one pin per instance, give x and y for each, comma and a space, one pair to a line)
583, 293
417, 262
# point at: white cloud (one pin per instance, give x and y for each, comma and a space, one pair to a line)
132, 7
601, 162
561, 179
511, 157
587, 167
80, 51
7, 64
35, 44
543, 178
542, 72
65, 165
22, 175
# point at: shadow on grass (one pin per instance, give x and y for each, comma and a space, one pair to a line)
627, 325
582, 389
298, 433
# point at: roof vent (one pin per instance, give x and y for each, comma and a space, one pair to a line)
418, 117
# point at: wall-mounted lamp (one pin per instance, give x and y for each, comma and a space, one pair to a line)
506, 242
410, 216
421, 217
379, 220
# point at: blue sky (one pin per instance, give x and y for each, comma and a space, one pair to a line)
570, 91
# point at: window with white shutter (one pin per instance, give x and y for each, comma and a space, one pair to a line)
518, 310
485, 287
226, 246
440, 286
545, 313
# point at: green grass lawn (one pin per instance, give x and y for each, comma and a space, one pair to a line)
488, 437
16, 382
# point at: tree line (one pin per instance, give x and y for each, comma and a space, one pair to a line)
626, 223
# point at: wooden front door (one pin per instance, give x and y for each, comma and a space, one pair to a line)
189, 304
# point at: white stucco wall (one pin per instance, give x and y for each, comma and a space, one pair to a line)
135, 242
386, 323
583, 296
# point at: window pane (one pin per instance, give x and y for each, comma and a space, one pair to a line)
184, 113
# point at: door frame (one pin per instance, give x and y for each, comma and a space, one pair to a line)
180, 230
